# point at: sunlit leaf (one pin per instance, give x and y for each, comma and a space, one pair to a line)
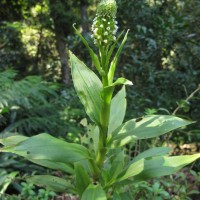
88, 87
156, 166
118, 110
120, 81
95, 192
49, 151
147, 127
156, 151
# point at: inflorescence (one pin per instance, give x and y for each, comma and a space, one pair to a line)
104, 25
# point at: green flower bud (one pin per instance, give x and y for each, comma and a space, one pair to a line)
104, 25
107, 8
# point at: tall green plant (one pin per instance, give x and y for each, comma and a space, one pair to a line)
101, 169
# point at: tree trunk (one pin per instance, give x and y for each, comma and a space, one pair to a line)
60, 34
61, 48
84, 18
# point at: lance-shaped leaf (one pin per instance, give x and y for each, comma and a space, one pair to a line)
110, 52
156, 151
118, 110
65, 167
94, 57
115, 60
157, 166
52, 183
146, 127
49, 151
82, 179
94, 192
88, 87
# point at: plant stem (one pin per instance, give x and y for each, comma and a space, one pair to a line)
104, 120
179, 106
187, 99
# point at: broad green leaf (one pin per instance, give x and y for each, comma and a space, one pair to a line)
88, 87
82, 179
94, 192
115, 60
157, 166
49, 151
52, 183
156, 151
147, 127
118, 110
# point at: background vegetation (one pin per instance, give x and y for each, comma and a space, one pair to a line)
161, 58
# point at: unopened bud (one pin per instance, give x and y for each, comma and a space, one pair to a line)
107, 8
104, 25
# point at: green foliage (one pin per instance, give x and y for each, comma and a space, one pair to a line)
50, 182
29, 192
11, 10
101, 163
175, 187
100, 167
137, 128
117, 110
12, 51
82, 178
31, 105
56, 154
163, 63
66, 11
5, 180
94, 192
88, 87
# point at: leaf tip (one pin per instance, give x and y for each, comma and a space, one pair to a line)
74, 24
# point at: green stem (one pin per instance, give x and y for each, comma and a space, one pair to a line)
103, 54
104, 120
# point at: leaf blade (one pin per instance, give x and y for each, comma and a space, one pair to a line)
88, 87
48, 151
156, 167
147, 127
94, 57
94, 192
156, 151
53, 183
82, 179
118, 110
115, 60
